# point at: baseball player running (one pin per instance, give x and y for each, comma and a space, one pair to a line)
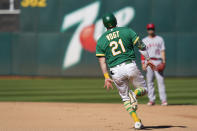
156, 50
115, 50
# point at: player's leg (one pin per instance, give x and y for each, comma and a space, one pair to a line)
137, 79
121, 81
150, 84
161, 87
139, 83
140, 86
123, 88
131, 108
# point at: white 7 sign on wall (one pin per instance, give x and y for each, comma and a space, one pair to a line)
86, 16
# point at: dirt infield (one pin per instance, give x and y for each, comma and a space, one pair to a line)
21, 116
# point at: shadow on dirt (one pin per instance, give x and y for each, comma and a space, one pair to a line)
161, 127
182, 104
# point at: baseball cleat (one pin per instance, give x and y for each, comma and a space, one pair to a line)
165, 103
151, 103
138, 125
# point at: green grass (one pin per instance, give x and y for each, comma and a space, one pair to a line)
179, 91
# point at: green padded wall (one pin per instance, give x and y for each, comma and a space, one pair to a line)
39, 47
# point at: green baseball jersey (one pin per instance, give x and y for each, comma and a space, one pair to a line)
117, 45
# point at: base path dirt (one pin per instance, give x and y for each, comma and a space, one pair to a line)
22, 116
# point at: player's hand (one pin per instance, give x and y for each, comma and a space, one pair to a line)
149, 63
108, 84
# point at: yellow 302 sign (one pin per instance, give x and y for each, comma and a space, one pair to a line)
34, 3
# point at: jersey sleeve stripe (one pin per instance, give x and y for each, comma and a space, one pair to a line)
100, 54
136, 40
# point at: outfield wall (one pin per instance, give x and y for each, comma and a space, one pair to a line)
53, 38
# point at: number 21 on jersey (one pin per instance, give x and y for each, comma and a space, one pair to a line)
114, 45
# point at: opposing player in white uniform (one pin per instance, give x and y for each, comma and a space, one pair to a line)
156, 50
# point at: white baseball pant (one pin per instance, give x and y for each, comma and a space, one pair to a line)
124, 73
160, 81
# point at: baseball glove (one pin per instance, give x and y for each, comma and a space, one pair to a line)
160, 67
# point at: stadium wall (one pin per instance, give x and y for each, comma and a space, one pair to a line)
57, 38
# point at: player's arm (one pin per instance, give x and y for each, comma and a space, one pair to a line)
163, 56
139, 44
103, 65
142, 48
161, 66
102, 61
144, 54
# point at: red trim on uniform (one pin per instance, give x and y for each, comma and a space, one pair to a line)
155, 58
